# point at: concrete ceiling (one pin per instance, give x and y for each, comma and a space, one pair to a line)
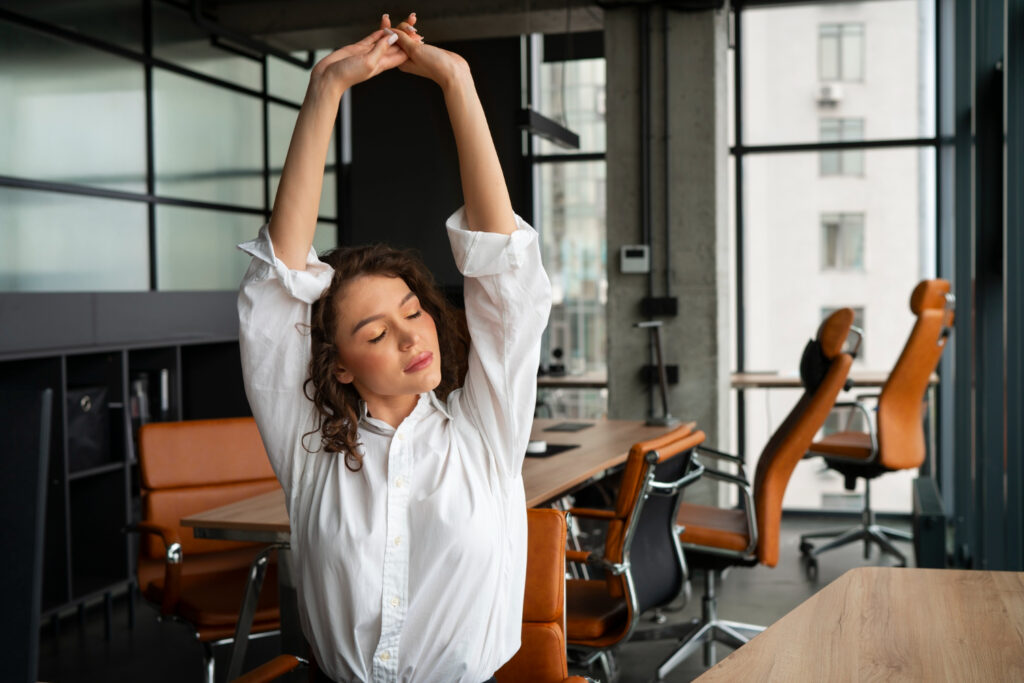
314, 24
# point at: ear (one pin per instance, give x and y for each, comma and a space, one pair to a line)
343, 375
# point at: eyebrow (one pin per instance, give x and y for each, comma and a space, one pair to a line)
366, 321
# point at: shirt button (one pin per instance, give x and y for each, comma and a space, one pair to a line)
399, 482
401, 436
385, 656
394, 602
398, 540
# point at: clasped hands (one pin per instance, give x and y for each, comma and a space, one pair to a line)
387, 48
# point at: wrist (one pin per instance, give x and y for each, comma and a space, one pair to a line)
458, 79
324, 86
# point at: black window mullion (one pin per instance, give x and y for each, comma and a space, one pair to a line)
147, 47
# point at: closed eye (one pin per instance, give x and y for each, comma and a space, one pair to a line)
414, 315
378, 337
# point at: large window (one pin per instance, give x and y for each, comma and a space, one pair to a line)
832, 212
135, 159
570, 194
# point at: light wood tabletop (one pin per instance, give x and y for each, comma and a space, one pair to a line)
887, 623
791, 380
601, 446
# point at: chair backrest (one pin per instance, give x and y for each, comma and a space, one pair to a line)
793, 437
541, 658
900, 427
191, 466
643, 530
24, 460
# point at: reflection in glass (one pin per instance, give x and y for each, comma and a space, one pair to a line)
177, 39
196, 248
807, 61
573, 93
208, 141
572, 228
70, 114
51, 242
282, 122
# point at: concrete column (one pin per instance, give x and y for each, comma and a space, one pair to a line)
692, 262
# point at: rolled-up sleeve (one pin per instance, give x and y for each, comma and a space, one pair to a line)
273, 314
508, 300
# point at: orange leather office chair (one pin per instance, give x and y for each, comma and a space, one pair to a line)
898, 442
715, 539
541, 658
185, 468
641, 564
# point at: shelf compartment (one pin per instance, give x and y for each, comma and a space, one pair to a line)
99, 548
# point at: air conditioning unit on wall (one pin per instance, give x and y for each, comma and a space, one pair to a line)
829, 94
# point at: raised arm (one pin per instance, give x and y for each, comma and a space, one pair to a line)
293, 221
488, 206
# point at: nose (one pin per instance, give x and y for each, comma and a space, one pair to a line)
408, 336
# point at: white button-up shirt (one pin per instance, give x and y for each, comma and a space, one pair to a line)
412, 568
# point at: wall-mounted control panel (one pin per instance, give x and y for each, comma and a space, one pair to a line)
635, 258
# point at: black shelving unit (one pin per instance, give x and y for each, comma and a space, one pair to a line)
87, 557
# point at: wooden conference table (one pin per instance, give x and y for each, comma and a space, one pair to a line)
600, 446
888, 623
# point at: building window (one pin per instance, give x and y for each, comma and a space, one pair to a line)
841, 162
841, 52
842, 241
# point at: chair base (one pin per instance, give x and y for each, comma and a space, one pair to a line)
708, 630
868, 531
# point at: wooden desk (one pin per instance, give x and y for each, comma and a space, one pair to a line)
886, 623
606, 444
776, 380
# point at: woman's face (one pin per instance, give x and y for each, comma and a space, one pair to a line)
387, 343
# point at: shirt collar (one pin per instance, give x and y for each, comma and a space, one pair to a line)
427, 401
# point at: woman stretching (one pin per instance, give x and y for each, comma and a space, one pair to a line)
402, 478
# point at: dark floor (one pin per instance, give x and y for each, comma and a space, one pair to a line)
165, 652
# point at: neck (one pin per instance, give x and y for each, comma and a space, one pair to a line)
391, 409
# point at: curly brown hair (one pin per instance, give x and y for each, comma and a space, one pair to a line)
337, 404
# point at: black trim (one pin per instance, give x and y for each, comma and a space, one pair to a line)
738, 149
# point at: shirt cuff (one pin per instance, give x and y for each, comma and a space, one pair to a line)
305, 285
478, 253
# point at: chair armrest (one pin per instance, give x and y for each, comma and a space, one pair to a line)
276, 667
669, 488
592, 513
594, 560
748, 501
173, 557
714, 452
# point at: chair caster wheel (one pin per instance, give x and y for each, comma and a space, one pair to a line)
811, 569
805, 548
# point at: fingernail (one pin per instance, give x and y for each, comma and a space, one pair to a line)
385, 16
392, 38
413, 29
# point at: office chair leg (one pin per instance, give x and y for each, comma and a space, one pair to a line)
896, 534
744, 631
848, 536
878, 536
208, 664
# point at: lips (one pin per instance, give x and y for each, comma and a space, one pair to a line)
421, 361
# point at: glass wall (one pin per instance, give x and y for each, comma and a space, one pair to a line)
570, 191
829, 225
129, 163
